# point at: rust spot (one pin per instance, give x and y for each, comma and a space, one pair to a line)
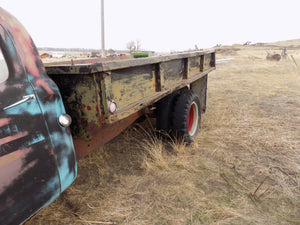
89, 108
99, 135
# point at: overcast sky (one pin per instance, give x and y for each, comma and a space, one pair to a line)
160, 25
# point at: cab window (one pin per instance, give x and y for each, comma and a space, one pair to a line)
3, 68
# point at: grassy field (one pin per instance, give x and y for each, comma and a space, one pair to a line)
244, 167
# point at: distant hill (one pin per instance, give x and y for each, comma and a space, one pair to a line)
295, 43
288, 42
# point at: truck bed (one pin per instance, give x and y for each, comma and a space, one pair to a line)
88, 88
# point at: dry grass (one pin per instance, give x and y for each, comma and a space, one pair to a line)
244, 167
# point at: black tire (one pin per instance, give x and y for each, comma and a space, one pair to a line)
164, 110
187, 116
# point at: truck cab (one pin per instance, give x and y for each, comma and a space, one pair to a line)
37, 156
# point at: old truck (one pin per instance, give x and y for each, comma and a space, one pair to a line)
38, 146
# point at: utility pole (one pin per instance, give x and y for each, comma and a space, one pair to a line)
102, 29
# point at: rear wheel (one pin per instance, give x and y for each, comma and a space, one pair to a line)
187, 116
164, 113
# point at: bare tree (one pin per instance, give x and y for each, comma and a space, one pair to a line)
133, 46
138, 45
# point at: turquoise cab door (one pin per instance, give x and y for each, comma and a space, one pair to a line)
37, 158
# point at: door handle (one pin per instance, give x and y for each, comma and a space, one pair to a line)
24, 99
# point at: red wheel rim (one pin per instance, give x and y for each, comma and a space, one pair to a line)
191, 118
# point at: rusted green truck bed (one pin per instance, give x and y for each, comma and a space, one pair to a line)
88, 89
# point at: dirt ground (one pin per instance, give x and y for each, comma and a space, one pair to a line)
244, 167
